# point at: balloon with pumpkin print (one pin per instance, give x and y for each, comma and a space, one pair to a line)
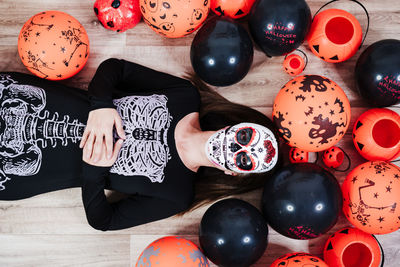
53, 45
234, 9
311, 112
298, 259
174, 18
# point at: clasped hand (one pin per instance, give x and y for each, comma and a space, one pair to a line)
97, 140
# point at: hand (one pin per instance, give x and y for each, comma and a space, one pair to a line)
99, 129
103, 161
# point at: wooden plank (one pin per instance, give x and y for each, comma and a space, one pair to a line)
64, 250
51, 229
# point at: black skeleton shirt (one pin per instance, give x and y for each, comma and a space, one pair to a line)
42, 122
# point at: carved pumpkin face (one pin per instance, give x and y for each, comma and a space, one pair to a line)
172, 251
335, 35
298, 155
232, 8
53, 45
118, 15
371, 197
174, 18
311, 112
353, 247
333, 157
376, 134
299, 259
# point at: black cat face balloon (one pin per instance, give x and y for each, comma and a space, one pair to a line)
221, 52
233, 233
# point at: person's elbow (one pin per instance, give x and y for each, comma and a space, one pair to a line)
109, 62
101, 226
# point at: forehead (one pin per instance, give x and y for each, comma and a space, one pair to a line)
248, 129
241, 126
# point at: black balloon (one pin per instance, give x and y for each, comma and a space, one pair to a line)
233, 233
279, 26
221, 52
378, 73
302, 201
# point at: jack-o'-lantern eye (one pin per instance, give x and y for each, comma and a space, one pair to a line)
244, 136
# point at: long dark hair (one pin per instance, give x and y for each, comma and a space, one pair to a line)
216, 112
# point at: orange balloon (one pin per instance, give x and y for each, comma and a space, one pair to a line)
294, 64
299, 259
174, 18
172, 251
335, 35
53, 45
371, 197
376, 134
232, 8
352, 247
311, 112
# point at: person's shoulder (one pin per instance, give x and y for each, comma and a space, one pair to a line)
183, 195
185, 202
4, 74
190, 90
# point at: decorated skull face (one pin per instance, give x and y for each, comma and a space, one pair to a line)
243, 148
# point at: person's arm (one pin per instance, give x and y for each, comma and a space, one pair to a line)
118, 74
126, 77
125, 213
135, 210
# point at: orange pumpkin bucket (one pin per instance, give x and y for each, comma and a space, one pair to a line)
376, 134
335, 34
53, 45
298, 259
333, 157
351, 247
371, 197
174, 18
294, 64
298, 155
172, 251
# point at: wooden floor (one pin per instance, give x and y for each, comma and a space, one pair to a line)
51, 229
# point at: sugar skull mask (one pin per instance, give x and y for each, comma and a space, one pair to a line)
243, 148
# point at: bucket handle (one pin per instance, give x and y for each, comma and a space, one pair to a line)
363, 7
349, 162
